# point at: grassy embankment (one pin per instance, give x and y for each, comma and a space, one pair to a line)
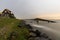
10, 25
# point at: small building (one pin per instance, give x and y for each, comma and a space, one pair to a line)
7, 13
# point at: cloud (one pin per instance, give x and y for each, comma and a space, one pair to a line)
32, 8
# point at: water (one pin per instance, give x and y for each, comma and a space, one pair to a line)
51, 29
52, 33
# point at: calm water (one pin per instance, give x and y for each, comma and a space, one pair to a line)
51, 29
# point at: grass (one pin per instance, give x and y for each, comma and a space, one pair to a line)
9, 25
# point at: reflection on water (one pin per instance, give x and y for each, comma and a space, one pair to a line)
51, 29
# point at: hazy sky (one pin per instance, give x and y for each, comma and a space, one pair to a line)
32, 8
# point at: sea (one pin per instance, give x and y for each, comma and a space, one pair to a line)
51, 29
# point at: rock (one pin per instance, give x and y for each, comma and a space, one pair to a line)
13, 36
28, 26
44, 35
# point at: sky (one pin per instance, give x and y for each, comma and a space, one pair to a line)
49, 9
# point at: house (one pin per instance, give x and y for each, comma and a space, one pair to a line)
7, 13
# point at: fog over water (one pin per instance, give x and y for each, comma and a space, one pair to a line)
51, 29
